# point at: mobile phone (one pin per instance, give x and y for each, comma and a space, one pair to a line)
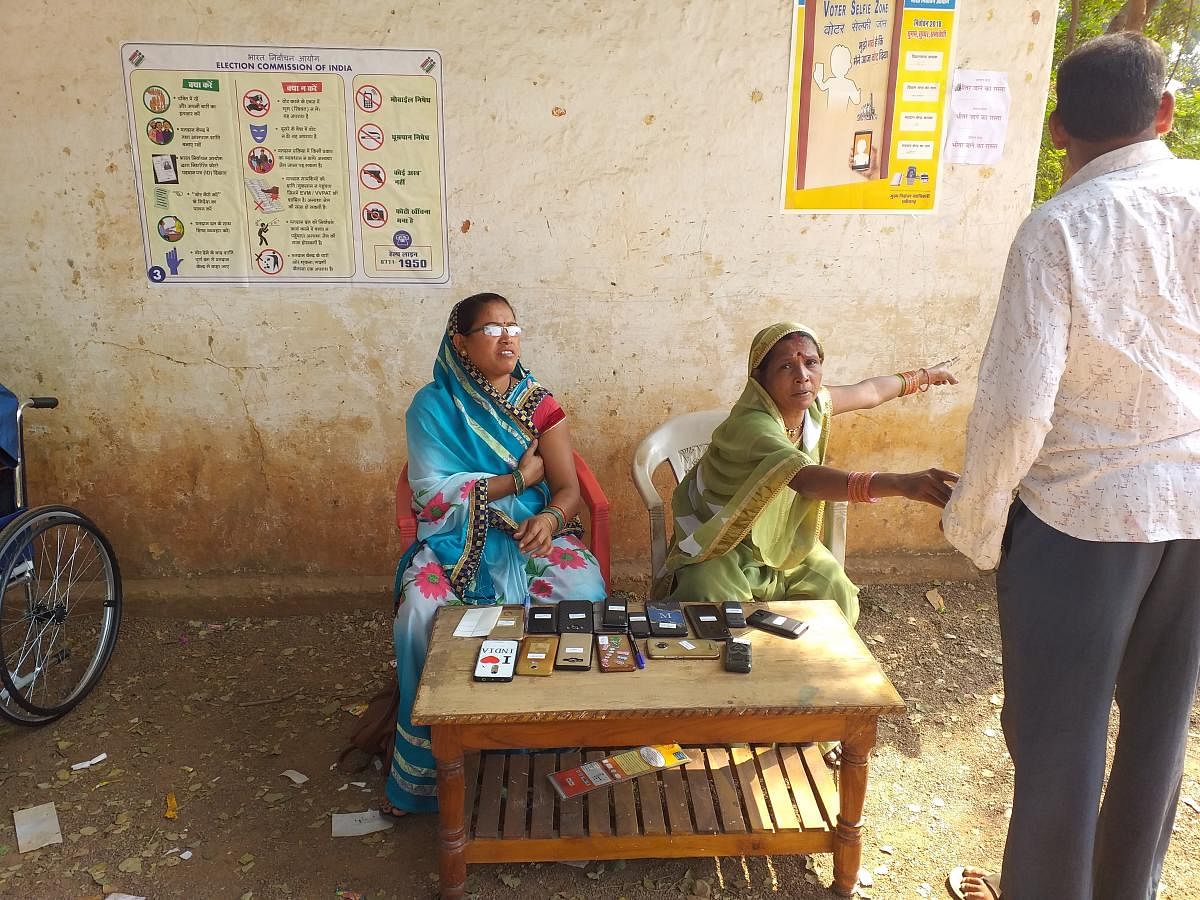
776, 624
598, 625
737, 656
735, 616
639, 625
683, 648
541, 620
666, 619
574, 652
860, 150
615, 653
509, 626
574, 616
536, 656
496, 661
707, 621
615, 613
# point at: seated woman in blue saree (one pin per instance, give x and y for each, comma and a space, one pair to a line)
496, 496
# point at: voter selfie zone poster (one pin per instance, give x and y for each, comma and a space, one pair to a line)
867, 105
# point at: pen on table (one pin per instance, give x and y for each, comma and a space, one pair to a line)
637, 654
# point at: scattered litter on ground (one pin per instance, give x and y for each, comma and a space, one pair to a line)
37, 827
89, 762
296, 777
359, 823
935, 600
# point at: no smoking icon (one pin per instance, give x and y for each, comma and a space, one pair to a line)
368, 98
372, 176
370, 136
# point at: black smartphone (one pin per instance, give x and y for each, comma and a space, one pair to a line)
707, 621
776, 624
615, 614
574, 617
666, 618
598, 625
737, 656
541, 620
735, 616
639, 625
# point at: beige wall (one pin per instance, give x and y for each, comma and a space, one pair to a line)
221, 430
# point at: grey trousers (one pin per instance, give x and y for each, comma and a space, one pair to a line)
1080, 621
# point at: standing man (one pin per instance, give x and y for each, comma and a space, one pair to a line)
1089, 405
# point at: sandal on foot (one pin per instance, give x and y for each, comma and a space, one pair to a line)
954, 882
392, 813
833, 758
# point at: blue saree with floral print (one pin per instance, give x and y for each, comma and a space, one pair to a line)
461, 432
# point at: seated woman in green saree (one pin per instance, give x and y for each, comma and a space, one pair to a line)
748, 517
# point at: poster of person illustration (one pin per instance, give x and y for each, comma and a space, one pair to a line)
852, 81
866, 104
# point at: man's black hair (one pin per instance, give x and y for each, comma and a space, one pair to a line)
1110, 87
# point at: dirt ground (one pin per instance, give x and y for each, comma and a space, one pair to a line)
180, 711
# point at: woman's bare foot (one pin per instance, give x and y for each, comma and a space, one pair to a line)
391, 812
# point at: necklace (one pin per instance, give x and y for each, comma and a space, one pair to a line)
794, 433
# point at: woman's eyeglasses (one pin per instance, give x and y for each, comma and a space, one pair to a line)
491, 329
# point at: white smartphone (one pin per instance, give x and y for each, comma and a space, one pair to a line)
497, 661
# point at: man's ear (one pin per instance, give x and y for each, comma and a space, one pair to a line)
1058, 134
1165, 117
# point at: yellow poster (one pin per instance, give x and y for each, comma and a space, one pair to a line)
285, 165
867, 105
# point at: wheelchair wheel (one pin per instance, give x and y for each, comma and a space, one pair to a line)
60, 611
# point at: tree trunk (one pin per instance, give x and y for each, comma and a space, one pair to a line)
1073, 27
1133, 16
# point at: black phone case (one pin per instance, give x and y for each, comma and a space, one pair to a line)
735, 616
666, 619
639, 625
616, 614
541, 620
737, 657
575, 617
598, 626
769, 621
707, 621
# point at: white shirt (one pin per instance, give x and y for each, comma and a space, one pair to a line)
1089, 387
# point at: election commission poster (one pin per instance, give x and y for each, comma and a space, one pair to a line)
286, 165
867, 103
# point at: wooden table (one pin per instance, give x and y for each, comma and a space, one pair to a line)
755, 785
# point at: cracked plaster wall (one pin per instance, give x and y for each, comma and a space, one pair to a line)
223, 430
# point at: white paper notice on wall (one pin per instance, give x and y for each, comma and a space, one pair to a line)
979, 105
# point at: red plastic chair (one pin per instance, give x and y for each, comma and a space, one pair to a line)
589, 490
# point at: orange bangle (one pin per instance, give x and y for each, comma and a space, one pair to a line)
858, 488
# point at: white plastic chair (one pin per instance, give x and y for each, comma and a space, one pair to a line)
681, 441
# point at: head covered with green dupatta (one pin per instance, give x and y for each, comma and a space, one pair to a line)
739, 489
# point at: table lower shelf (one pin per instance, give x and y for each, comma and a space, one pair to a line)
731, 799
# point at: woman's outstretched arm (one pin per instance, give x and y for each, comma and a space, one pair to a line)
872, 392
931, 486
